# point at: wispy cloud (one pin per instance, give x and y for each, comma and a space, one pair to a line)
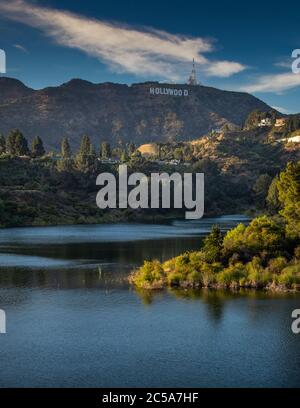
224, 68
276, 83
281, 109
283, 64
145, 52
21, 48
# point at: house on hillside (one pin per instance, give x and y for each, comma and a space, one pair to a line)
217, 130
280, 122
265, 122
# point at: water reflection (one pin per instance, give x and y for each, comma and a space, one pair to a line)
57, 247
73, 320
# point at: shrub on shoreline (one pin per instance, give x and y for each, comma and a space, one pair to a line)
156, 275
255, 256
264, 254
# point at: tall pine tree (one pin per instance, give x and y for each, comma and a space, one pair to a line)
37, 147
65, 164
2, 144
85, 160
16, 144
11, 142
66, 152
21, 145
289, 196
105, 151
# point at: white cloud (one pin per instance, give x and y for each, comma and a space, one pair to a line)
274, 83
145, 52
283, 64
281, 109
224, 68
21, 48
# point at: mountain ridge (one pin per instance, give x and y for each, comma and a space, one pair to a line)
119, 112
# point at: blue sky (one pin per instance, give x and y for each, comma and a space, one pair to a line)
237, 46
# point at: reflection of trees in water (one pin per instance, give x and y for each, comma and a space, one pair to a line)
214, 299
132, 252
109, 277
148, 296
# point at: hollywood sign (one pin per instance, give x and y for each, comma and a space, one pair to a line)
169, 91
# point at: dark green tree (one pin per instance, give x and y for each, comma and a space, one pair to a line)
37, 147
289, 197
16, 144
21, 145
85, 158
213, 244
66, 152
261, 188
85, 146
105, 151
273, 202
2, 144
65, 164
11, 142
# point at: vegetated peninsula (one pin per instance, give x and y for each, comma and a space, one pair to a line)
264, 254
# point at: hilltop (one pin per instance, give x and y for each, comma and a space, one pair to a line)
116, 112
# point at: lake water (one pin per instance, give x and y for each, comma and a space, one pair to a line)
73, 321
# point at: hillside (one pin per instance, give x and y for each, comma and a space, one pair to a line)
115, 112
239, 167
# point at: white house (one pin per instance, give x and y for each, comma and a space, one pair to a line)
265, 122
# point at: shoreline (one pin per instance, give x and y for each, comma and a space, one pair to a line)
234, 287
124, 219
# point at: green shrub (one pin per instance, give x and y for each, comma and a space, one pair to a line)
149, 276
209, 272
257, 276
262, 235
234, 241
233, 274
182, 260
276, 265
290, 276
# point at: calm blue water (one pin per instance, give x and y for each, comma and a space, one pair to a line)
72, 320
